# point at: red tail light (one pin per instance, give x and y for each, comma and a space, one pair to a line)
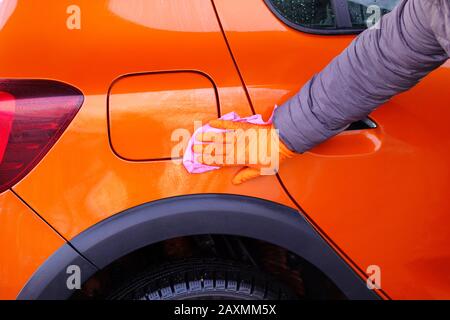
33, 115
7, 108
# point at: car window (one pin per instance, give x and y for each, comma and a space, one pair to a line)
307, 13
361, 11
331, 16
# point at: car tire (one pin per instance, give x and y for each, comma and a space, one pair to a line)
203, 280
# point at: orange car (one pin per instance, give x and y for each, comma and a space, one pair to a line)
92, 205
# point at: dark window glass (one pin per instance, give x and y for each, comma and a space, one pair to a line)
363, 12
320, 14
315, 14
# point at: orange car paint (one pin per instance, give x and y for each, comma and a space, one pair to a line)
381, 195
382, 202
81, 181
25, 243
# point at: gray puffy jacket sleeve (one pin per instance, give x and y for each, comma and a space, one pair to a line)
409, 43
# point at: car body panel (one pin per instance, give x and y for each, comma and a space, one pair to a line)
381, 194
81, 181
25, 243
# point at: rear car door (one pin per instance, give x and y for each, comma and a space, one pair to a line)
380, 195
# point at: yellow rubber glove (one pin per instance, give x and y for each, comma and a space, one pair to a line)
256, 147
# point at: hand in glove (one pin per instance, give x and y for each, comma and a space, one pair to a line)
256, 147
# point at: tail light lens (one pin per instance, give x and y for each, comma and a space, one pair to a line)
33, 115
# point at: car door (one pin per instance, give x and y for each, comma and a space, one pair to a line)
379, 195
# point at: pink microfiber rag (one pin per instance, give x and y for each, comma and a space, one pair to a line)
189, 159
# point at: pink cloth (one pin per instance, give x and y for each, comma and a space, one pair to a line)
189, 158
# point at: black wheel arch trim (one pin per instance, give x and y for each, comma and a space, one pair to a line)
164, 219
